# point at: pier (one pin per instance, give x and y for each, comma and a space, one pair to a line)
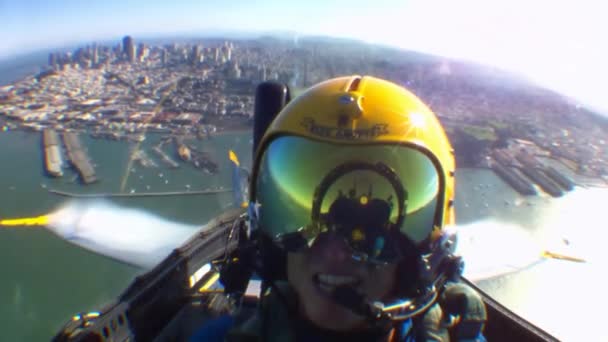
78, 158
52, 153
533, 169
141, 194
543, 181
565, 182
520, 184
522, 170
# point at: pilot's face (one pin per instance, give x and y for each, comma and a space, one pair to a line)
314, 273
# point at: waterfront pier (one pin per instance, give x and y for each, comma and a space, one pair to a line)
543, 181
520, 184
565, 182
523, 170
534, 170
52, 153
78, 158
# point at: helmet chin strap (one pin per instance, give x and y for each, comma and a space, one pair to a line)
379, 313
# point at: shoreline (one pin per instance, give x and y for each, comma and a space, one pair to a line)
11, 127
580, 180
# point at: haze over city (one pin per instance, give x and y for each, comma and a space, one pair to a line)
552, 43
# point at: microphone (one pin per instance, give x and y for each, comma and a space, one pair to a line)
357, 302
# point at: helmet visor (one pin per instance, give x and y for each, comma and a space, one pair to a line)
371, 195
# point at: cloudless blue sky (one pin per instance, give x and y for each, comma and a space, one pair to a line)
558, 43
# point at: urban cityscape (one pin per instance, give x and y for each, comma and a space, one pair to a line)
535, 139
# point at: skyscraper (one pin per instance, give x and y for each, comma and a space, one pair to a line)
95, 55
195, 55
80, 56
225, 54
216, 55
142, 52
164, 57
235, 71
117, 51
52, 59
128, 48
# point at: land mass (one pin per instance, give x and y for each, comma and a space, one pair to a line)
203, 87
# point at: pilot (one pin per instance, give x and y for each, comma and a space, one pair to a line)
352, 191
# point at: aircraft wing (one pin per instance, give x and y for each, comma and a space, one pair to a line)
491, 249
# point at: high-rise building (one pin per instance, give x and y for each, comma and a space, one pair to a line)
216, 55
226, 54
52, 60
128, 48
264, 73
195, 56
142, 52
164, 58
80, 56
117, 51
95, 59
236, 71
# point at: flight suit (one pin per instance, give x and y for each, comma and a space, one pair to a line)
459, 315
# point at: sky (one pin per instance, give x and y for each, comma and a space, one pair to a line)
559, 44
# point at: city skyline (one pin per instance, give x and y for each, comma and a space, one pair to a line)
132, 87
553, 44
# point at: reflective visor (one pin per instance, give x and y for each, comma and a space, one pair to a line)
371, 195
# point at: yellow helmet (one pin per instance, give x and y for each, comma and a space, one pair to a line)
361, 157
357, 111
